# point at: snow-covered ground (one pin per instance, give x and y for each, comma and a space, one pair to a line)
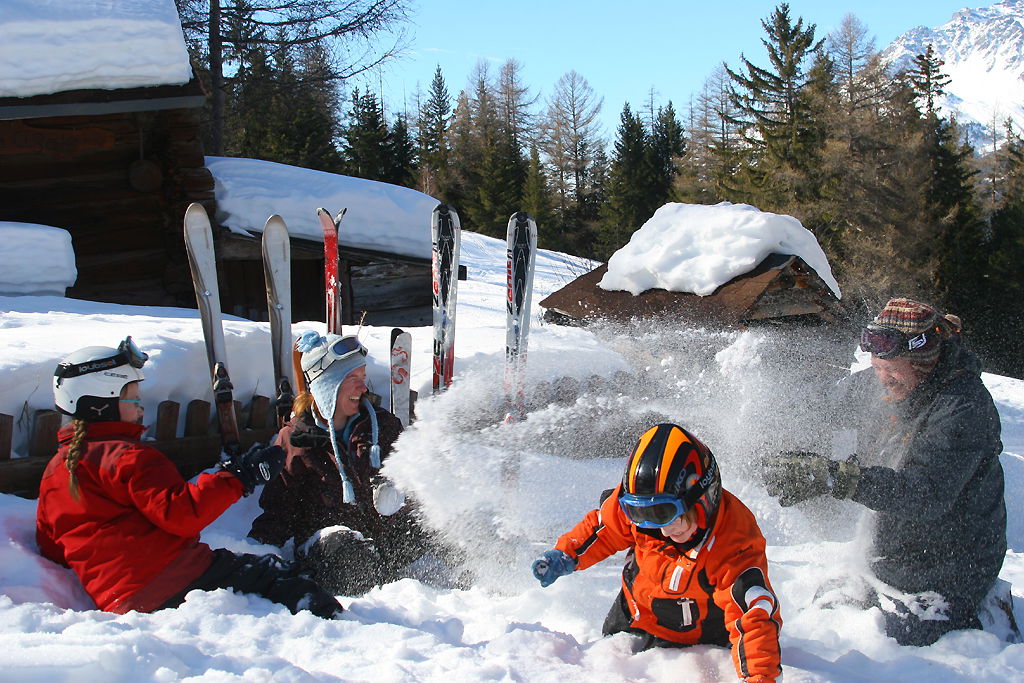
744, 393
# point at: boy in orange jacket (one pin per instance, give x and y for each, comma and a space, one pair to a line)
696, 571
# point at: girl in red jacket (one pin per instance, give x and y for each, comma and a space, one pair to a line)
696, 570
118, 513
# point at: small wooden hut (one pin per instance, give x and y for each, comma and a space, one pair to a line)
782, 288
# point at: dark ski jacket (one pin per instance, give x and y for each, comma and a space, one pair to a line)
132, 537
307, 496
934, 478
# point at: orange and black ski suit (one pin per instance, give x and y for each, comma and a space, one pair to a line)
716, 593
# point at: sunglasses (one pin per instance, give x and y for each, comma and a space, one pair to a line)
343, 348
127, 354
886, 343
651, 512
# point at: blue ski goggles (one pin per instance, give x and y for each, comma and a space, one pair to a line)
651, 512
345, 347
127, 354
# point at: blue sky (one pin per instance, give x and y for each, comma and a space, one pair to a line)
670, 46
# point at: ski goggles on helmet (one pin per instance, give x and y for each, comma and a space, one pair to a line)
886, 343
127, 354
345, 347
651, 512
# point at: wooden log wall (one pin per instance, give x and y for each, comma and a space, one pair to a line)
196, 449
119, 183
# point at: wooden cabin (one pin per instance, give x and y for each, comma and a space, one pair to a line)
116, 169
781, 289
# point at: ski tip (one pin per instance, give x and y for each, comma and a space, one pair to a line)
341, 214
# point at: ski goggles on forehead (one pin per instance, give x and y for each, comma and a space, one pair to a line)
345, 347
651, 512
887, 343
127, 354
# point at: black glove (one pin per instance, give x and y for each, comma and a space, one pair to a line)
256, 466
796, 476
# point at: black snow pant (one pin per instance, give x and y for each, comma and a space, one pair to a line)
909, 629
618, 621
265, 575
347, 562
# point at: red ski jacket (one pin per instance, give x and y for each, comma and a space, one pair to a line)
132, 537
717, 592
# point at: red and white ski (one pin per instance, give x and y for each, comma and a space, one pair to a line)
445, 241
521, 252
401, 349
332, 281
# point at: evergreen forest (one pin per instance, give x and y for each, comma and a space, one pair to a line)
817, 127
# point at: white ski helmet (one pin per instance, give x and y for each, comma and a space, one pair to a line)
87, 384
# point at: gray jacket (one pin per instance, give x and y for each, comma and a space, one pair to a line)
932, 475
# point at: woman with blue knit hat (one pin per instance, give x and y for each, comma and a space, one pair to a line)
351, 527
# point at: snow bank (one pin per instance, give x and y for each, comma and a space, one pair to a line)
37, 259
380, 216
51, 46
696, 248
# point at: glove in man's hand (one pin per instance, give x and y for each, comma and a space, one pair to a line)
796, 476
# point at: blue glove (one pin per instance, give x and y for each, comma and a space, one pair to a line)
551, 565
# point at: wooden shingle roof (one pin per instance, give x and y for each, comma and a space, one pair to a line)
780, 287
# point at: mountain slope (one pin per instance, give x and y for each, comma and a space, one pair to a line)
983, 51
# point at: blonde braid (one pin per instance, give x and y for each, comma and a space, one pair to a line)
75, 449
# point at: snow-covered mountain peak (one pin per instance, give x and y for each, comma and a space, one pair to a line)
983, 51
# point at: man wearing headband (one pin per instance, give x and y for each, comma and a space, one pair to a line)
351, 527
695, 572
118, 513
927, 464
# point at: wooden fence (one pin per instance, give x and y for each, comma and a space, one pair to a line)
196, 449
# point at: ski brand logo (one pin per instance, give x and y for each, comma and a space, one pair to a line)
917, 342
399, 375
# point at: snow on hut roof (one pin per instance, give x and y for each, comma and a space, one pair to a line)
697, 248
51, 46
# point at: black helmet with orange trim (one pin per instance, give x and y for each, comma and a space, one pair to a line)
668, 472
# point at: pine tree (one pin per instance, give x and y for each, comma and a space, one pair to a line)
770, 102
401, 155
537, 201
365, 137
630, 202
927, 79
668, 145
432, 138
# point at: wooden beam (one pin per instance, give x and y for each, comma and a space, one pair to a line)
6, 435
43, 442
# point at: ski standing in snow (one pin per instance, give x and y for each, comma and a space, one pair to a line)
445, 241
401, 349
277, 274
332, 282
522, 248
202, 261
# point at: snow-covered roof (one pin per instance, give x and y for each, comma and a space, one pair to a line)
380, 216
51, 46
697, 248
